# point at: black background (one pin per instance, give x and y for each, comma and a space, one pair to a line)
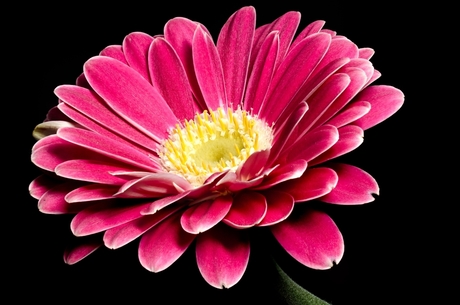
384, 241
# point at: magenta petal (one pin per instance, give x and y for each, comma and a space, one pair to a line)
234, 47
350, 113
262, 73
91, 171
135, 48
179, 33
154, 185
286, 26
385, 101
53, 201
288, 171
159, 204
222, 255
130, 95
85, 246
205, 215
314, 183
163, 244
279, 207
103, 216
40, 185
350, 137
48, 156
322, 99
106, 147
94, 107
230, 182
312, 238
309, 30
355, 186
313, 143
287, 131
169, 77
253, 166
340, 47
91, 192
291, 75
114, 51
247, 210
121, 235
366, 53
357, 80
208, 69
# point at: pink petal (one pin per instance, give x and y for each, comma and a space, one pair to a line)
121, 86
163, 244
91, 171
106, 147
317, 80
309, 30
314, 183
350, 137
262, 73
53, 201
292, 170
169, 77
222, 255
385, 101
208, 70
361, 64
121, 235
91, 105
339, 48
366, 53
205, 215
153, 185
248, 209
91, 192
179, 33
234, 47
135, 47
253, 166
40, 185
81, 81
114, 51
84, 247
312, 238
159, 204
286, 25
49, 156
357, 80
279, 207
355, 186
51, 139
286, 131
313, 143
104, 216
322, 99
350, 113
292, 73
91, 125
230, 182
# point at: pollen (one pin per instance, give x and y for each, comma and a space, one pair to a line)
213, 141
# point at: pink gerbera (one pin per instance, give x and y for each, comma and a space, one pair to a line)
174, 139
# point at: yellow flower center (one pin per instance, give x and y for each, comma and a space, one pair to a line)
213, 142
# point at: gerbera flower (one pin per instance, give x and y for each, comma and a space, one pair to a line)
173, 139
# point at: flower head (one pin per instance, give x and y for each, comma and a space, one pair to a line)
174, 139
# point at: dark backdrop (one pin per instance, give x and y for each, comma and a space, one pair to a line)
381, 238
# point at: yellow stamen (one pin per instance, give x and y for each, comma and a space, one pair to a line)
213, 141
